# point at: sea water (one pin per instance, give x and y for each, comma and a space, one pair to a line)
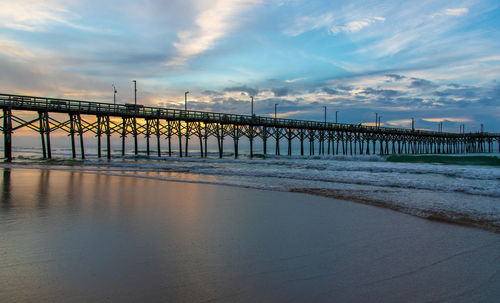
456, 188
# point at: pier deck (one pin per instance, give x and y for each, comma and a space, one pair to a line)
135, 120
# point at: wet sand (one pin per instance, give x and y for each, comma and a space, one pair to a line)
74, 237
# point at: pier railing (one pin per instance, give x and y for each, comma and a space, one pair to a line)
190, 123
140, 111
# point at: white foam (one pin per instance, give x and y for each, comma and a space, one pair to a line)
420, 187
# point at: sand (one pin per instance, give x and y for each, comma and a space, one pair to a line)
74, 237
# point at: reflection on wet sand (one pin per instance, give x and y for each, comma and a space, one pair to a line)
43, 189
6, 190
83, 237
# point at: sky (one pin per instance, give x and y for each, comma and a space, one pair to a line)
434, 61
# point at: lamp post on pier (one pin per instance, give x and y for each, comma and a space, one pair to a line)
376, 120
252, 104
336, 115
325, 113
114, 94
135, 91
275, 110
185, 101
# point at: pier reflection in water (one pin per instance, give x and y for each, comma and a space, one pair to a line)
81, 237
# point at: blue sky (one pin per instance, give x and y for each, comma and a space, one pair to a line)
436, 61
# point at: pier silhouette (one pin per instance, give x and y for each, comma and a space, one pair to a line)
105, 119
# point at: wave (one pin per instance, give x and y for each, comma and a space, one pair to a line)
455, 193
440, 178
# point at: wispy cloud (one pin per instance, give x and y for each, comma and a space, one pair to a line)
212, 24
451, 12
456, 11
451, 119
293, 80
356, 26
31, 15
13, 49
38, 15
304, 24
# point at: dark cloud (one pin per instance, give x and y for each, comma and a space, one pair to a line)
422, 84
344, 87
468, 93
387, 93
281, 91
395, 77
210, 93
409, 101
330, 91
250, 91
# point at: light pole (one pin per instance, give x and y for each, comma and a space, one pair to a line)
379, 117
482, 128
275, 110
114, 94
325, 113
252, 104
412, 124
376, 120
336, 115
185, 101
135, 92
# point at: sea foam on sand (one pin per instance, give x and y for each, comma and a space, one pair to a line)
79, 236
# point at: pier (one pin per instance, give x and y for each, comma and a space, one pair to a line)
155, 124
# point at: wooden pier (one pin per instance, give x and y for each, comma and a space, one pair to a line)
154, 123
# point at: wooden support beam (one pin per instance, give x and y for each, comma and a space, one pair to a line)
187, 138
301, 138
148, 134
158, 147
80, 132
289, 139
108, 138
134, 129
220, 133
42, 131
251, 140
124, 134
205, 139
179, 133
72, 134
200, 137
277, 132
47, 134
264, 140
99, 132
169, 137
7, 134
235, 140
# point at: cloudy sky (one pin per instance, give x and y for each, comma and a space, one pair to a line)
436, 61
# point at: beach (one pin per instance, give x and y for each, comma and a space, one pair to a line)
80, 236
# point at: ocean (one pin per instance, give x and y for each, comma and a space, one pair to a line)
462, 189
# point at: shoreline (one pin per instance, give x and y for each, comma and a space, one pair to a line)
460, 219
447, 216
74, 236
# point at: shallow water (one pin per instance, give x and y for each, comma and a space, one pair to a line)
71, 236
456, 188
